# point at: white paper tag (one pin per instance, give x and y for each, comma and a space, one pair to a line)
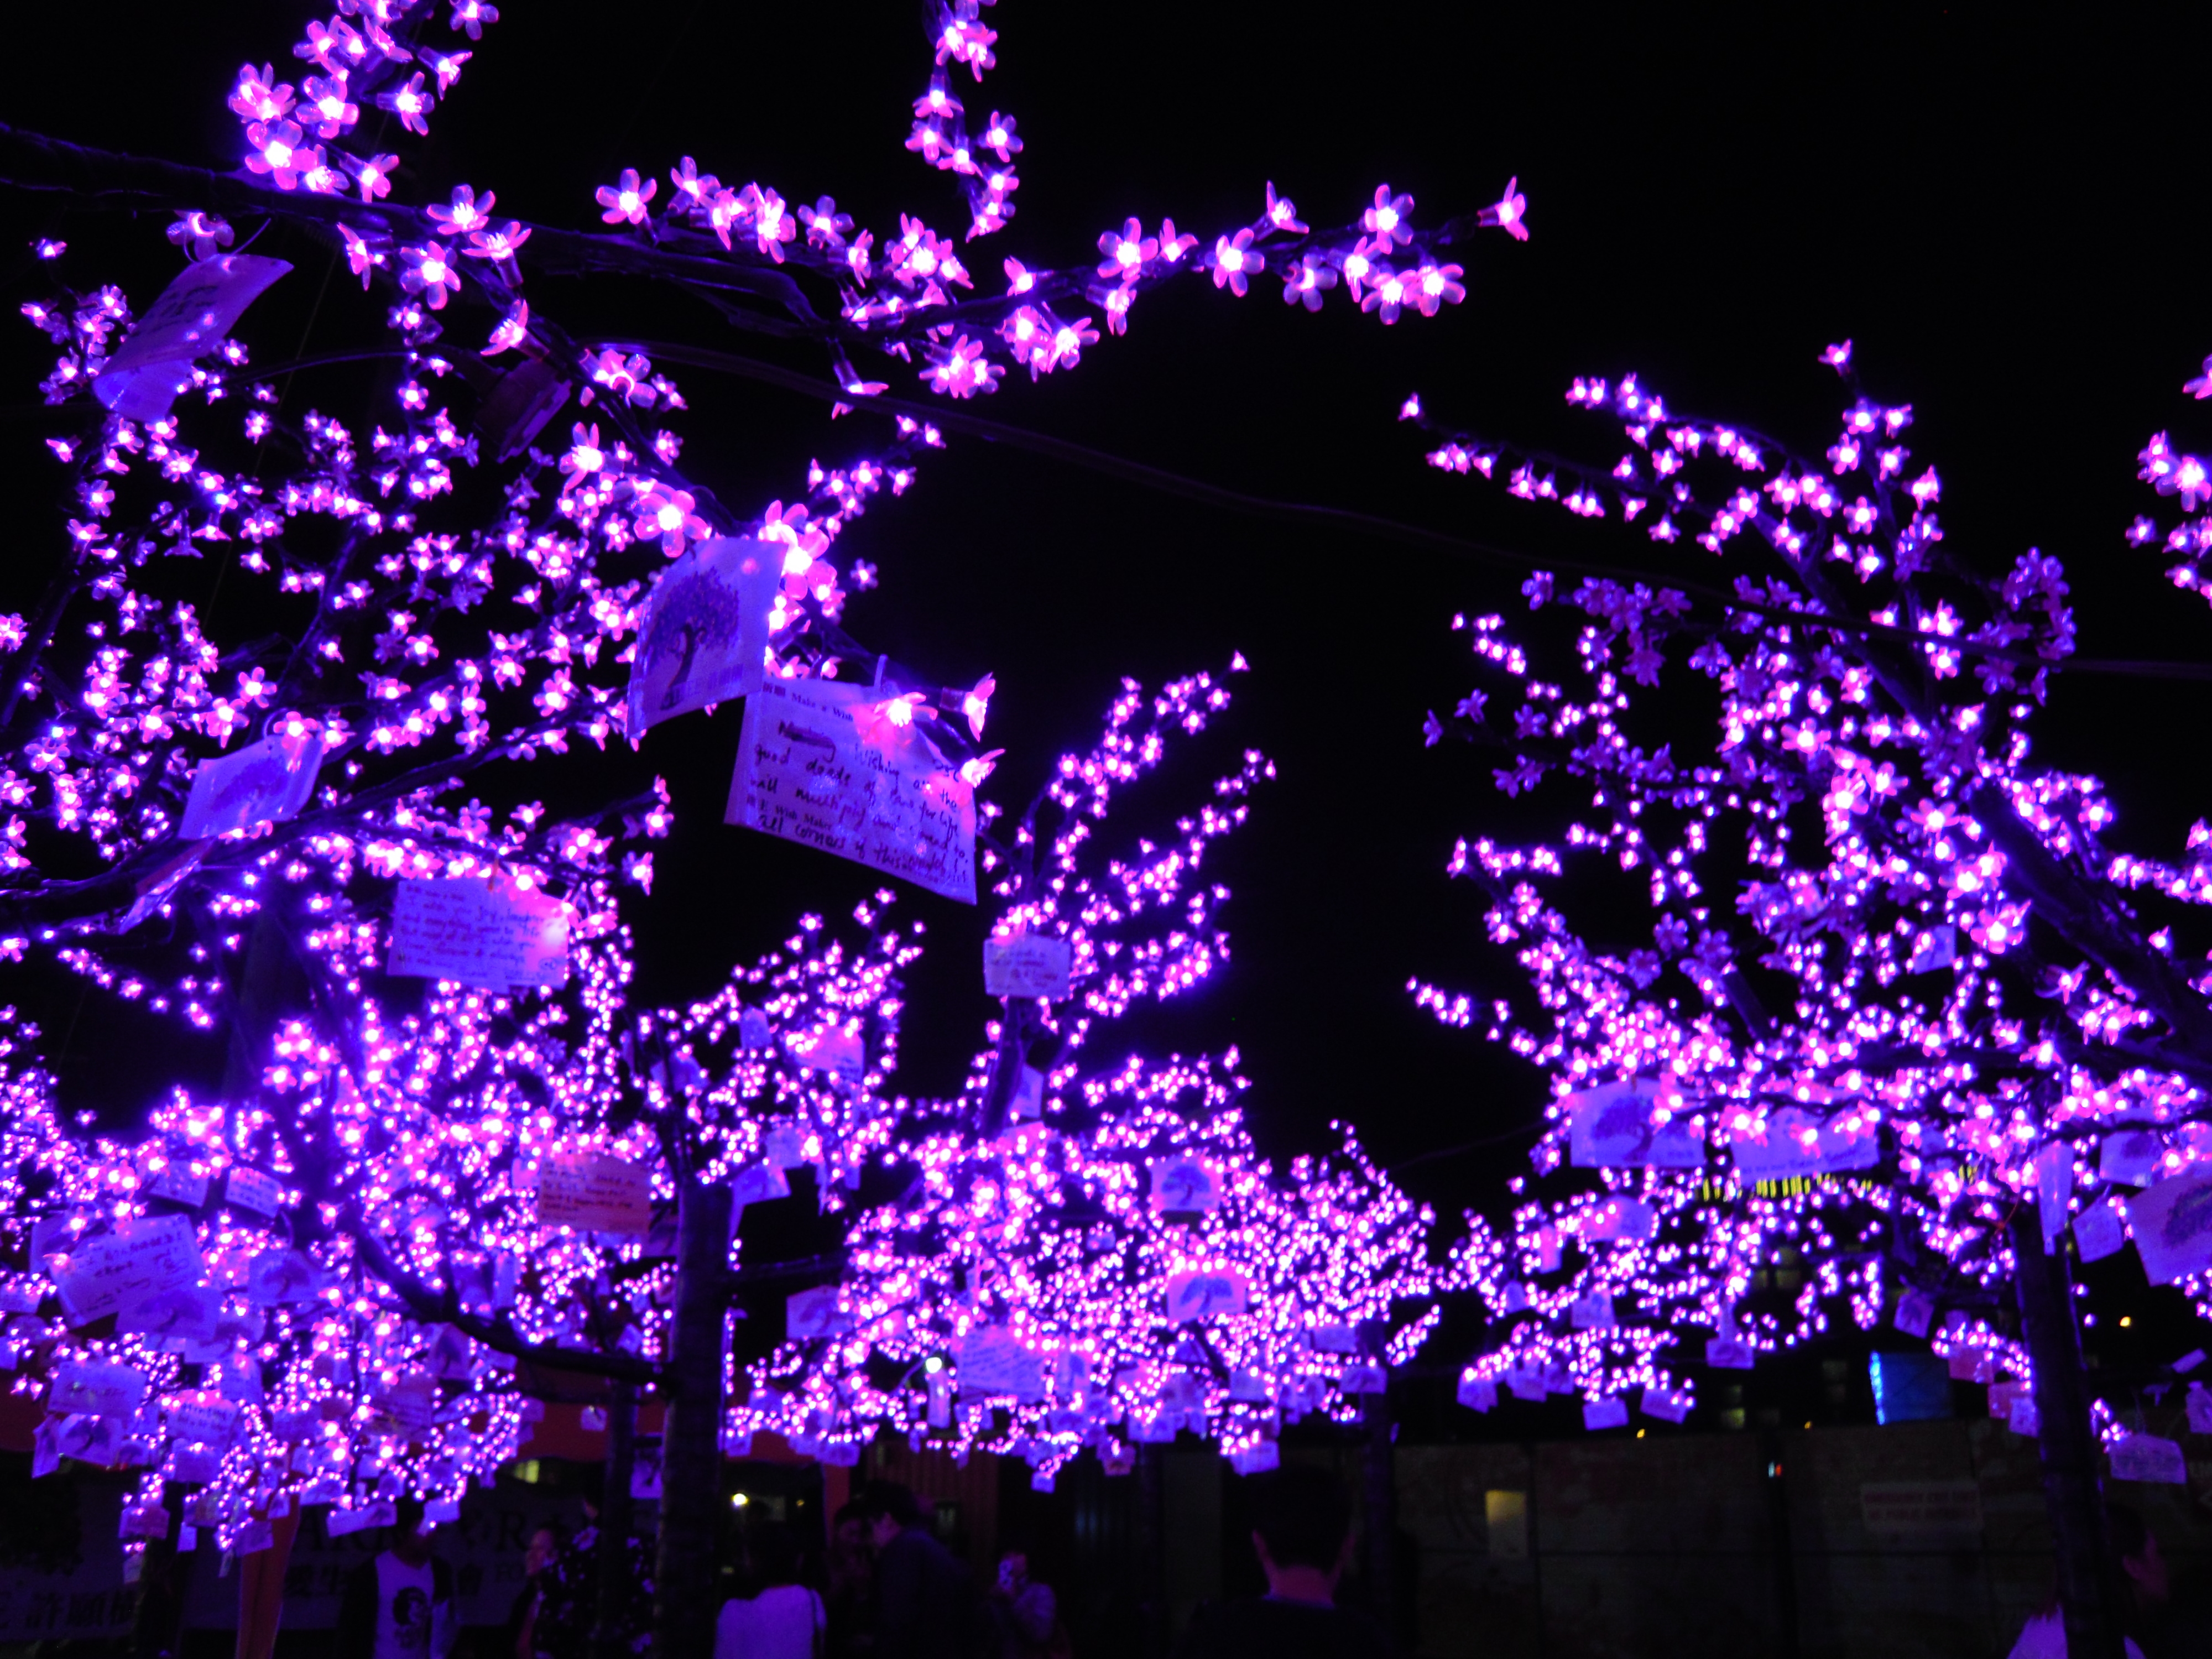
814, 1313
1207, 1293
1937, 948
1614, 1127
703, 632
2172, 1226
1478, 1394
1605, 1414
2149, 1457
823, 764
103, 1390
594, 1194
1667, 1404
141, 1258
1033, 965
496, 937
832, 1049
993, 1362
189, 320
1184, 1185
250, 1189
2130, 1158
264, 782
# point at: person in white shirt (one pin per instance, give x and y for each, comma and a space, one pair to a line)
2044, 1636
400, 1604
783, 1619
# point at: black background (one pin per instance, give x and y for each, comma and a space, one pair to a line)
1999, 210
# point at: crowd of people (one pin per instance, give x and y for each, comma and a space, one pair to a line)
886, 1587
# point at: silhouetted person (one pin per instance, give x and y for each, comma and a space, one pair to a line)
783, 1619
523, 1634
925, 1607
850, 1583
399, 1604
1026, 1612
1304, 1539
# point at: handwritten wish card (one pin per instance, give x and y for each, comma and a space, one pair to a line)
264, 782
832, 1049
189, 320
493, 935
595, 1194
141, 1258
1031, 966
703, 632
104, 1390
820, 763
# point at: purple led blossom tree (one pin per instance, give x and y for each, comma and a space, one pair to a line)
445, 1156
1108, 1260
1899, 1014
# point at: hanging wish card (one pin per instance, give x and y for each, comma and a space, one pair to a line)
264, 782
1667, 1404
814, 1313
822, 763
2172, 1226
703, 632
182, 1315
595, 1194
190, 320
2150, 1457
1478, 1394
2054, 1189
1207, 1293
103, 1390
758, 1183
1184, 1186
1616, 1218
1614, 1126
1937, 948
141, 1258
252, 1190
993, 1361
1605, 1414
492, 935
1031, 966
2130, 1158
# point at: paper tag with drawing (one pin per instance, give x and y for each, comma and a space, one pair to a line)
2172, 1226
494, 936
264, 782
703, 632
1614, 1126
824, 764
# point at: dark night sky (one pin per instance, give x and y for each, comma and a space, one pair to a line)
1996, 212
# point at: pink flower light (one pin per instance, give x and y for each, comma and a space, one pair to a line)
1125, 254
1235, 264
668, 515
624, 202
429, 272
1385, 222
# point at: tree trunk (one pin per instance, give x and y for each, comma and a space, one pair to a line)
691, 1442
1379, 1478
1152, 1550
2088, 1575
610, 1633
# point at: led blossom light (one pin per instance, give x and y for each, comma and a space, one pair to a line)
1815, 1088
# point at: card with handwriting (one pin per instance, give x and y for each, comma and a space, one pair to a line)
493, 935
829, 766
595, 1194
